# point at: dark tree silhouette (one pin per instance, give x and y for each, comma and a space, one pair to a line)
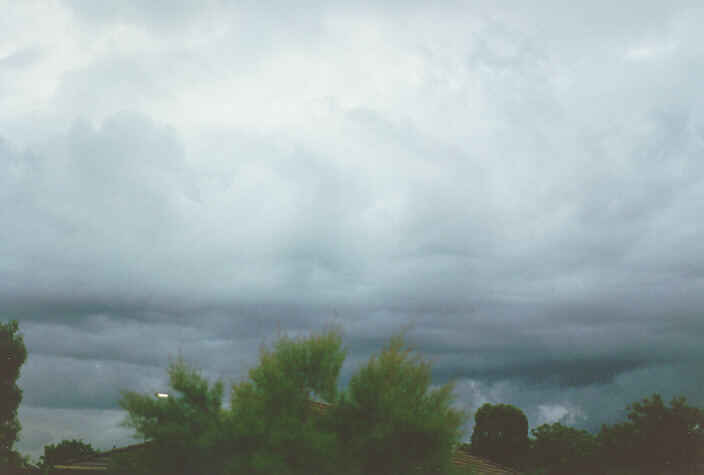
65, 450
657, 438
501, 434
562, 449
13, 354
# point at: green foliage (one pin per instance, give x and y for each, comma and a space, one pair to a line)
268, 429
501, 434
279, 431
14, 462
656, 438
617, 445
65, 450
13, 354
184, 429
560, 449
390, 420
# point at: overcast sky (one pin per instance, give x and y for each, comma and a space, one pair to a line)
521, 183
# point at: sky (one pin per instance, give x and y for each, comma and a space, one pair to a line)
520, 185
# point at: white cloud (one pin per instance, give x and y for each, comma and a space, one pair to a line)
551, 413
650, 51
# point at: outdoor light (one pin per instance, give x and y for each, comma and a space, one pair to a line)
161, 395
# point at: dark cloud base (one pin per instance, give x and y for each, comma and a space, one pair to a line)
551, 373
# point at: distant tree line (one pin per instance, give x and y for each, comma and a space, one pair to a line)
656, 439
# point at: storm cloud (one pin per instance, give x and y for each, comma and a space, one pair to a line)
519, 186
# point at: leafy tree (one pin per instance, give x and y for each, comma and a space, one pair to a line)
501, 434
657, 438
561, 449
390, 420
288, 417
64, 450
269, 427
671, 436
13, 354
617, 445
183, 430
280, 433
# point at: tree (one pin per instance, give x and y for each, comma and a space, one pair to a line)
561, 449
183, 430
269, 427
13, 354
501, 434
64, 450
287, 416
279, 433
657, 438
390, 420
617, 446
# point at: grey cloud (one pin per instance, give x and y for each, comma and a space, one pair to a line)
22, 58
588, 406
162, 15
550, 373
109, 173
51, 381
99, 427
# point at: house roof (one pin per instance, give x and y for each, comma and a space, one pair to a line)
465, 462
93, 464
98, 463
